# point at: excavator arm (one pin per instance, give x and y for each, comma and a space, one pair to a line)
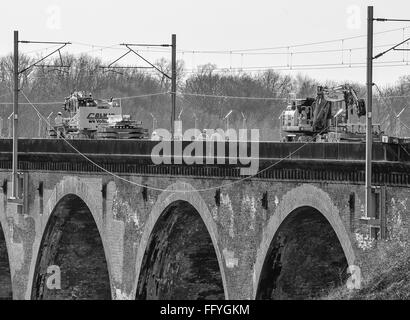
306, 117
321, 111
322, 104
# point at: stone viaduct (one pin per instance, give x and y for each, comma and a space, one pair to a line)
194, 232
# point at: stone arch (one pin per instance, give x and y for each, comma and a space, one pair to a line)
305, 195
89, 193
164, 201
6, 287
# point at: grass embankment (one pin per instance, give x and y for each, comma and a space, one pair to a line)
389, 280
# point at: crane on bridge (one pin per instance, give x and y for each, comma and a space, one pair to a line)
326, 117
97, 119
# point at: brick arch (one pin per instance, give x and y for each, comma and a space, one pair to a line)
305, 195
164, 200
70, 186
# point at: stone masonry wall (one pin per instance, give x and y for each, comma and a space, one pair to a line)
240, 218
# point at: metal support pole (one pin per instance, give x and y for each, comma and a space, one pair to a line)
14, 193
39, 125
49, 126
196, 120
243, 121
10, 125
154, 122
173, 82
369, 134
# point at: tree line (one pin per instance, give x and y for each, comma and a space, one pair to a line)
43, 84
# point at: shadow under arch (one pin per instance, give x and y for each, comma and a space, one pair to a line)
305, 195
178, 257
6, 291
72, 241
305, 258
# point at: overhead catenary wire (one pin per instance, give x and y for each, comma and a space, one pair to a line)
288, 52
119, 98
344, 64
25, 103
229, 51
248, 51
396, 97
144, 95
327, 66
182, 94
289, 67
228, 97
40, 49
299, 67
239, 51
280, 67
100, 48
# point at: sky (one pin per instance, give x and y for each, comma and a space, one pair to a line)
252, 35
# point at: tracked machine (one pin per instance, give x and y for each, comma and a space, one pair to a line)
91, 118
332, 116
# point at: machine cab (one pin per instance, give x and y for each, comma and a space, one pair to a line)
297, 116
87, 113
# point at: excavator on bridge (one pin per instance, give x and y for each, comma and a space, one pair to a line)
91, 118
326, 118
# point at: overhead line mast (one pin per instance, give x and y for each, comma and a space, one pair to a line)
369, 125
16, 73
172, 77
14, 190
